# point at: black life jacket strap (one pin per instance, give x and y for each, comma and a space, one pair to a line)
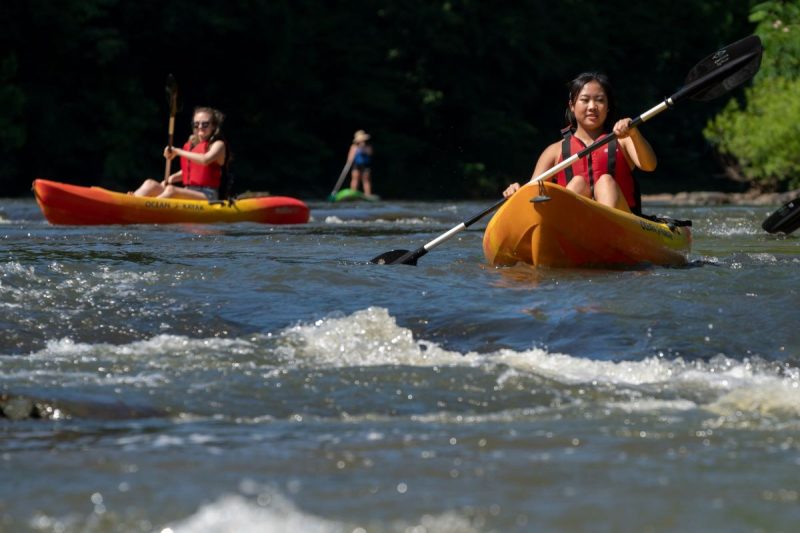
612, 157
565, 152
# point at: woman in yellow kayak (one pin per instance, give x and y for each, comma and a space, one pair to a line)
605, 174
202, 161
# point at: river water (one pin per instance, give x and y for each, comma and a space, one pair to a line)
269, 378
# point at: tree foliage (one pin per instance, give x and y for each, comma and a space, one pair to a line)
460, 96
760, 139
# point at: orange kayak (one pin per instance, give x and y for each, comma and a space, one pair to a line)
570, 230
62, 203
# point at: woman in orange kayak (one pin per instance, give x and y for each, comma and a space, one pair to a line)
605, 174
202, 161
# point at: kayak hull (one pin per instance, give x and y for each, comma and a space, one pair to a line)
68, 204
572, 231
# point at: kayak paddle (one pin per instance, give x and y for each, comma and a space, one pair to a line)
172, 98
345, 170
784, 220
715, 75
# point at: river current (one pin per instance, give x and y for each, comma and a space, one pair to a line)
252, 378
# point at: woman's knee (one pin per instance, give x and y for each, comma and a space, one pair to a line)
168, 191
150, 185
606, 180
607, 192
606, 184
578, 185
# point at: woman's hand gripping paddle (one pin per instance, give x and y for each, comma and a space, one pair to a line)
714, 76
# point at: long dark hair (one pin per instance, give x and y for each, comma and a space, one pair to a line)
575, 87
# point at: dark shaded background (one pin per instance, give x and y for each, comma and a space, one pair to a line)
460, 96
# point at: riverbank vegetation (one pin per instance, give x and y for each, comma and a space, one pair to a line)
459, 96
759, 135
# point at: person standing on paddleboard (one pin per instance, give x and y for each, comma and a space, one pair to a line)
203, 159
360, 154
606, 174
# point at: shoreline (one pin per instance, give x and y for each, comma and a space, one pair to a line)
720, 198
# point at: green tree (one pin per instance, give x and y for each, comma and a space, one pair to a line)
759, 140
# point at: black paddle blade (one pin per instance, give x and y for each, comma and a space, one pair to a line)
784, 220
172, 94
744, 54
396, 257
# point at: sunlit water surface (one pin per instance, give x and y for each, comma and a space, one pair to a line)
265, 378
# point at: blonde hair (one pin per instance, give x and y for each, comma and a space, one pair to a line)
216, 117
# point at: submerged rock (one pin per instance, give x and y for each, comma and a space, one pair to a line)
15, 407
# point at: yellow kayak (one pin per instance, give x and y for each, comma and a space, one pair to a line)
569, 230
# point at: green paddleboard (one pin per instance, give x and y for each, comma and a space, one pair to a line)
351, 195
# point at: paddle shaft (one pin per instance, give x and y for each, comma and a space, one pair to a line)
172, 90
168, 168
411, 257
345, 170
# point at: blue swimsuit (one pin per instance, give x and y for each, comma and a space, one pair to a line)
362, 159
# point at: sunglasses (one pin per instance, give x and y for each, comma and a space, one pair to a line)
203, 124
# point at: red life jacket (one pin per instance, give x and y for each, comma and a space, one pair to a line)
596, 164
197, 175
